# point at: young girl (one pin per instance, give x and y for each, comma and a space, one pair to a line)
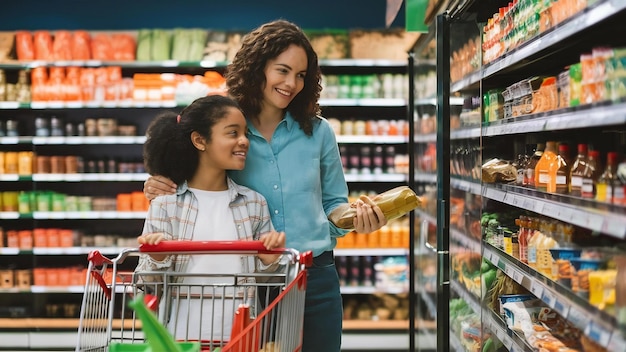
194, 149
294, 162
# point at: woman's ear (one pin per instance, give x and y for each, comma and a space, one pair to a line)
198, 141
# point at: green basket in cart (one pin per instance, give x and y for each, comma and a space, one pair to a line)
158, 338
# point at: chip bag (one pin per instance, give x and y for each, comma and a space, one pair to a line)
394, 203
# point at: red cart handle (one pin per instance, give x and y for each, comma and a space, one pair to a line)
223, 247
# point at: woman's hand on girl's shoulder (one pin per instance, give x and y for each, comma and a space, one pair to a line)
158, 185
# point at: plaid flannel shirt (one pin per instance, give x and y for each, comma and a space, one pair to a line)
175, 215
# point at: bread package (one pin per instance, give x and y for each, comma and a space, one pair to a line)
394, 203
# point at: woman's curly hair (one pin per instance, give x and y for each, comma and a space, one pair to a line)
245, 76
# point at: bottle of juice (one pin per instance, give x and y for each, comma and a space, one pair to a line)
545, 171
562, 179
577, 171
522, 238
533, 244
606, 182
529, 177
590, 176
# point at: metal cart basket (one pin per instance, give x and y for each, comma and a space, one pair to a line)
259, 311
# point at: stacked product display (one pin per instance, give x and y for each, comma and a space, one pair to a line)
72, 124
536, 206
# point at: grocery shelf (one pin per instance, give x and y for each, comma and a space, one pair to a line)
41, 105
577, 24
590, 115
454, 101
596, 324
465, 133
468, 82
473, 186
509, 338
471, 300
372, 139
371, 102
465, 241
370, 251
425, 138
376, 177
425, 177
426, 217
595, 216
91, 177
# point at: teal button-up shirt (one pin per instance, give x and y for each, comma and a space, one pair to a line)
302, 179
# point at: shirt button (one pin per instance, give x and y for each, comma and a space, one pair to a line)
276, 211
271, 161
275, 186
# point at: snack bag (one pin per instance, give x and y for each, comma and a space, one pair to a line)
394, 203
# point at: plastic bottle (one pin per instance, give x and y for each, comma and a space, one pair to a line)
533, 243
562, 179
590, 176
529, 178
577, 171
522, 239
606, 182
545, 170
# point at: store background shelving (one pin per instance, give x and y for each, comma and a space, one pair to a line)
139, 113
601, 124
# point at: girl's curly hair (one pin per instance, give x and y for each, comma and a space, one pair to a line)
245, 76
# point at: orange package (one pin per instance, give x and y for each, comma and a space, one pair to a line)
101, 47
43, 45
62, 46
81, 45
24, 45
123, 47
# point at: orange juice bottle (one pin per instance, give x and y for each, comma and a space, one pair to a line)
545, 171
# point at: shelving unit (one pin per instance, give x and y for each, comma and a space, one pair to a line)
600, 123
140, 113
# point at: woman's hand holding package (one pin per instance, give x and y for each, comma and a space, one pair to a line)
369, 217
153, 238
158, 185
272, 240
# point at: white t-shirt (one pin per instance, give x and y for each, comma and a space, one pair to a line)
211, 317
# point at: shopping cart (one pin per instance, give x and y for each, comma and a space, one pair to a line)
266, 309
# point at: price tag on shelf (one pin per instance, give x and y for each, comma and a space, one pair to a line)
518, 276
561, 307
614, 227
594, 221
508, 342
536, 289
500, 334
598, 333
617, 342
548, 209
548, 297
529, 204
509, 271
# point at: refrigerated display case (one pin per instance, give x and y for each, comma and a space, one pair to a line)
516, 239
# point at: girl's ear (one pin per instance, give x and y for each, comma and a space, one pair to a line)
198, 141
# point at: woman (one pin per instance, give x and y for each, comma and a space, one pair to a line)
195, 149
294, 162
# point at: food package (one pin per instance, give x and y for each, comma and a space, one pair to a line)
498, 171
394, 203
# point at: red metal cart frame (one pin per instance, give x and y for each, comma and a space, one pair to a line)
262, 322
